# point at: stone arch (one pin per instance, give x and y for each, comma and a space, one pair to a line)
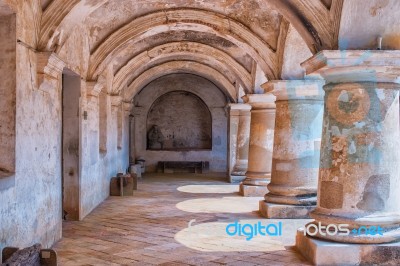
317, 22
180, 67
190, 51
186, 19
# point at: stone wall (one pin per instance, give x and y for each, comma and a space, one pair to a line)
296, 52
209, 94
363, 21
183, 120
31, 199
98, 165
30, 209
7, 94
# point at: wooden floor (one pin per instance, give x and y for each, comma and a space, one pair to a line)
175, 219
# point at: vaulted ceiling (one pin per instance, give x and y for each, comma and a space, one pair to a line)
127, 43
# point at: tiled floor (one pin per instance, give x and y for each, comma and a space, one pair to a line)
176, 219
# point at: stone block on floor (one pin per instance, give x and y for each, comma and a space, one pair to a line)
236, 178
282, 211
321, 252
252, 191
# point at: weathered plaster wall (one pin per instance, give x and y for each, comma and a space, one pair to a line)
180, 132
213, 98
295, 53
364, 20
30, 209
98, 166
7, 94
31, 200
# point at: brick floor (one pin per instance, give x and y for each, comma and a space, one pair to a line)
152, 228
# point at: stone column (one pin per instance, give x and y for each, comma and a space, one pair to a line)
233, 131
295, 161
359, 180
242, 144
261, 143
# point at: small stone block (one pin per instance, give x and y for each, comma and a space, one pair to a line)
321, 252
236, 178
252, 191
282, 211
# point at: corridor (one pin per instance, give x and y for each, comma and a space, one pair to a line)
151, 228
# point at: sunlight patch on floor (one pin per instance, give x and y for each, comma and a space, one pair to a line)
213, 236
217, 189
220, 205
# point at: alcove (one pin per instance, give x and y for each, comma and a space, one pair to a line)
179, 120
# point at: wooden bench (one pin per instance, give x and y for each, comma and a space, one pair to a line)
198, 167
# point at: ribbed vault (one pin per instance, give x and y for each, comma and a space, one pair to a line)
189, 51
177, 67
184, 19
128, 39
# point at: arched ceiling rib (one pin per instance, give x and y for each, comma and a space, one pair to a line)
188, 19
60, 17
174, 34
187, 57
183, 50
52, 17
123, 56
316, 22
256, 27
180, 67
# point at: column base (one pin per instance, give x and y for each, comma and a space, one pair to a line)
236, 178
321, 252
252, 191
283, 211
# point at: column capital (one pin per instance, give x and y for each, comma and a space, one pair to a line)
354, 66
260, 101
240, 106
238, 109
50, 65
93, 88
116, 100
128, 106
295, 89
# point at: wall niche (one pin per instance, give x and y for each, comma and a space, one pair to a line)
179, 120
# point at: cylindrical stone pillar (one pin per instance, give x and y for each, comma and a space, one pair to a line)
260, 144
359, 177
295, 163
232, 132
242, 146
